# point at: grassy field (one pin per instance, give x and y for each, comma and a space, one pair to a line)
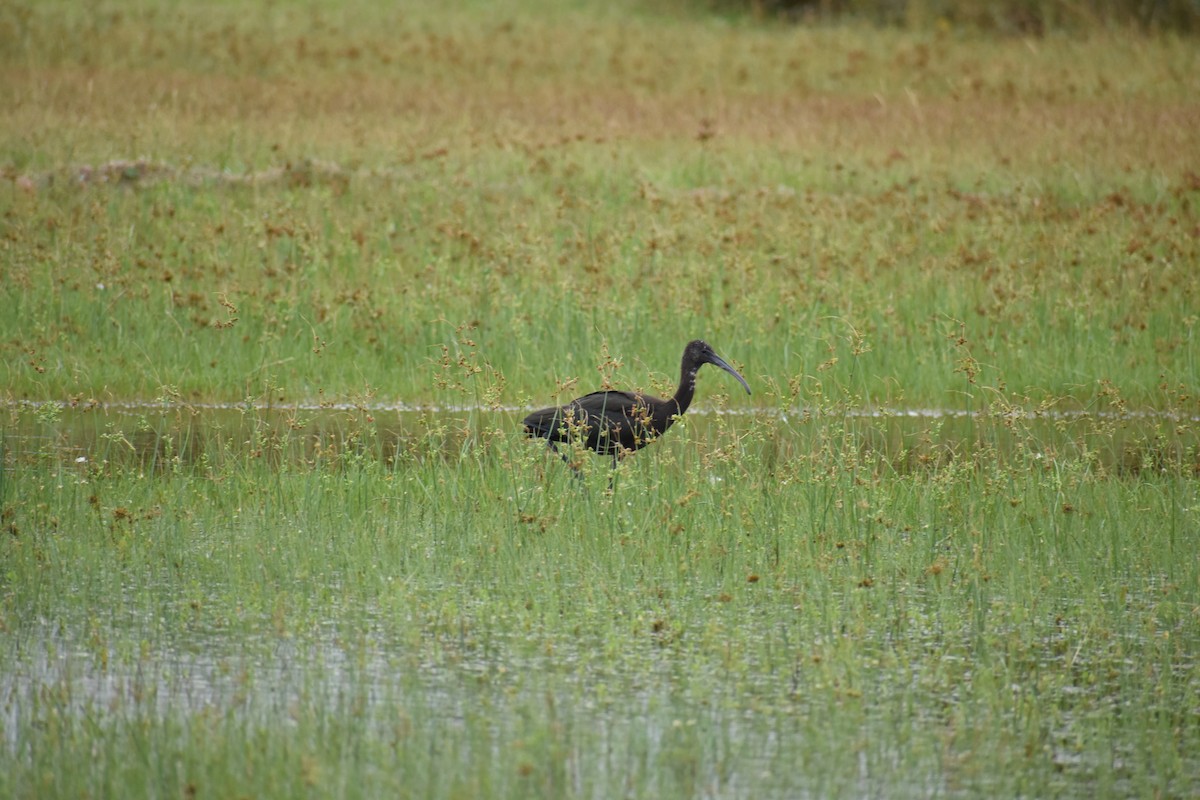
265, 229
249, 609
221, 204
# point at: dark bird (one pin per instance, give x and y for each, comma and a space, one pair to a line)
613, 423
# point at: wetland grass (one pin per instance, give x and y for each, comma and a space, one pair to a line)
446, 615
265, 227
880, 208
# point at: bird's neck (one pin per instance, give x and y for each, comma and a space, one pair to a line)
687, 388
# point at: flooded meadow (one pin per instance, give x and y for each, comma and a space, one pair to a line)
773, 604
946, 548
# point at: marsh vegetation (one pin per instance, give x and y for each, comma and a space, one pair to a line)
283, 280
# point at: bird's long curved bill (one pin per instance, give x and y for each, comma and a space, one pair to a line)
720, 362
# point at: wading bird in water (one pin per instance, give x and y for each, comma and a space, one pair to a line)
613, 423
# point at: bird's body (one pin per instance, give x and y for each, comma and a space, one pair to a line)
606, 422
612, 423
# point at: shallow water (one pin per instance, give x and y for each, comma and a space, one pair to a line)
804, 689
153, 435
617, 712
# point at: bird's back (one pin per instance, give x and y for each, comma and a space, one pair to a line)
584, 411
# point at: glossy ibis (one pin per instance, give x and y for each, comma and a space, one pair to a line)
613, 423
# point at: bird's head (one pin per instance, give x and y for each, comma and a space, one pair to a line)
700, 352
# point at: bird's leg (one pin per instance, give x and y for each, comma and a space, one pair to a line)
563, 456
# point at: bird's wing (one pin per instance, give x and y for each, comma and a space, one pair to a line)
609, 403
593, 412
544, 422
586, 410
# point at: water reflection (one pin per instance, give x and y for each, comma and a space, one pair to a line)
909, 689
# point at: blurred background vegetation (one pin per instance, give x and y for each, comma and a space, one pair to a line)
1024, 17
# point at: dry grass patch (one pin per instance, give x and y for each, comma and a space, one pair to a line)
119, 82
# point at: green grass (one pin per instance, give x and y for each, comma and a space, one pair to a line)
883, 287
284, 201
263, 610
311, 216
